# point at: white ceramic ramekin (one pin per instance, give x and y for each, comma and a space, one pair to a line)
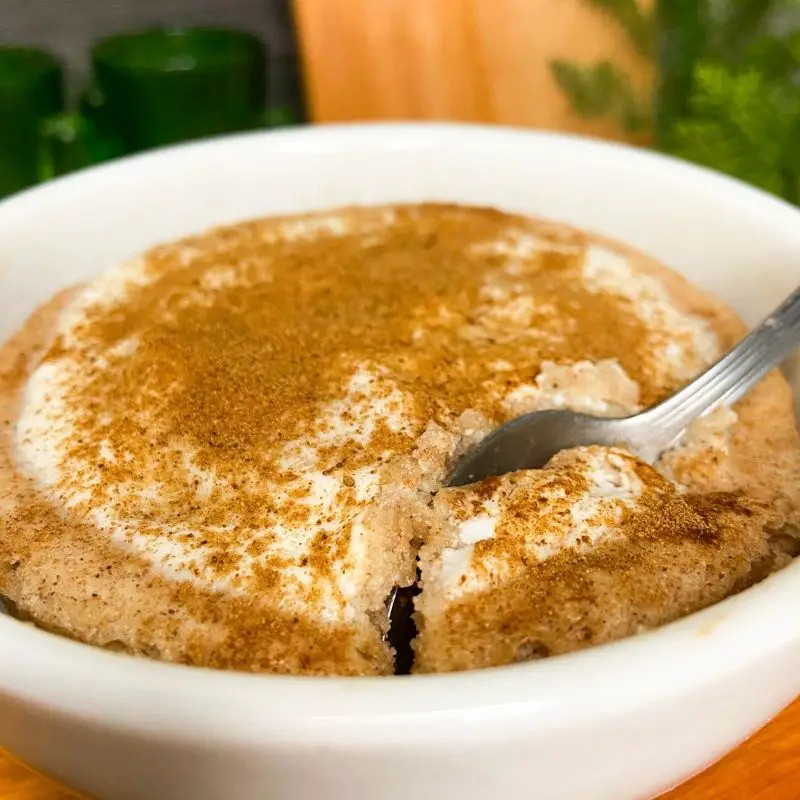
619, 722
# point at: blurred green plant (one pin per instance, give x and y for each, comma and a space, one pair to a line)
727, 93
601, 90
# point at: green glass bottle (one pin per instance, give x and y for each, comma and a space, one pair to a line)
158, 87
31, 91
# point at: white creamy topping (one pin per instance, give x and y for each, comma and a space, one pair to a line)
603, 389
371, 397
314, 226
327, 225
613, 487
477, 529
515, 243
520, 246
693, 345
45, 432
706, 443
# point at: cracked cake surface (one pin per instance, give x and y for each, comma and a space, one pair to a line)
228, 451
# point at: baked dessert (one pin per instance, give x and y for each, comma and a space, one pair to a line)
228, 451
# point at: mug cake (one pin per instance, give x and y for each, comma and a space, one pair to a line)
230, 451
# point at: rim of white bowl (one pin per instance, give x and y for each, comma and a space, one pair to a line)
168, 700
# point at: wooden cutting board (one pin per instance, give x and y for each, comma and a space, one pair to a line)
468, 60
765, 768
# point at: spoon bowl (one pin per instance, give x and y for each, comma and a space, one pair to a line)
530, 441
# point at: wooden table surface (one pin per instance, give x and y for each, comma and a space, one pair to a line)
764, 768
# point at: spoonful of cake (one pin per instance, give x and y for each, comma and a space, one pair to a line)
530, 441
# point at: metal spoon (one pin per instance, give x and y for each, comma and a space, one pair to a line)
530, 441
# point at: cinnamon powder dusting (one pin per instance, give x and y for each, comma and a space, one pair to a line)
263, 413
226, 353
595, 546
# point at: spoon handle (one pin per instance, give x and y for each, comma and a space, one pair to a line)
763, 349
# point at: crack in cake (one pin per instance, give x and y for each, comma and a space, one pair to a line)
228, 451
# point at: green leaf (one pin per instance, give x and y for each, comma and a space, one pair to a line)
637, 22
600, 90
589, 89
743, 124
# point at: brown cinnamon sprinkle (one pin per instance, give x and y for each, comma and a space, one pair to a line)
239, 371
653, 559
537, 507
233, 373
